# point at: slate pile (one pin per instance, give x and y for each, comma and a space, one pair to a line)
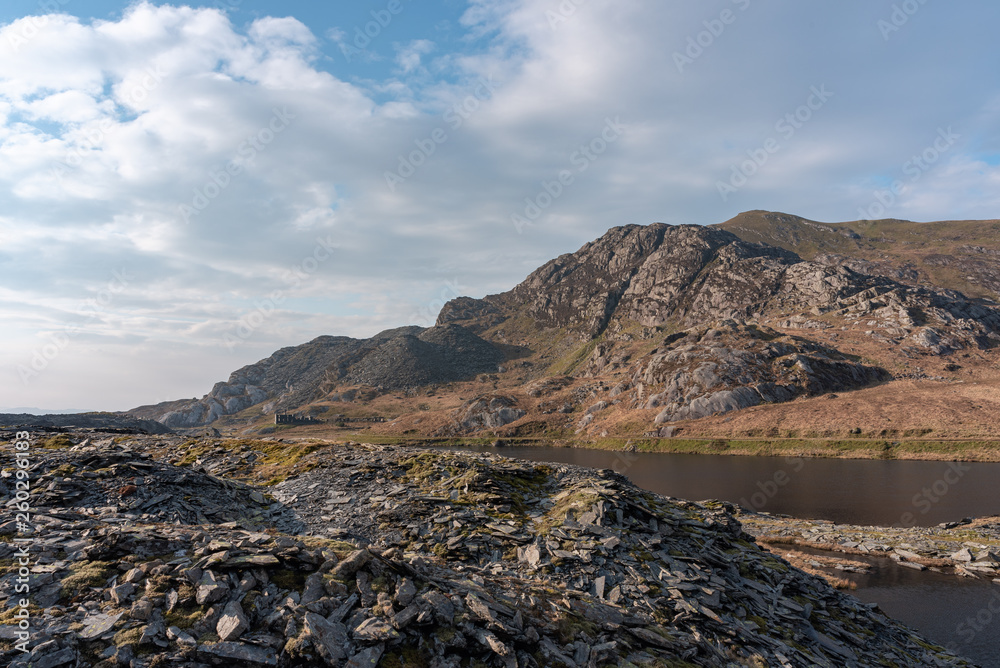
117, 482
415, 557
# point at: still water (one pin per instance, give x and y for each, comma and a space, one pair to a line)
850, 491
962, 614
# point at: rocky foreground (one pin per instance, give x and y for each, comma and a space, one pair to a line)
360, 555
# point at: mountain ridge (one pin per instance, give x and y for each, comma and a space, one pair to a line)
676, 323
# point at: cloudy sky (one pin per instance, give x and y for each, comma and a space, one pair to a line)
185, 189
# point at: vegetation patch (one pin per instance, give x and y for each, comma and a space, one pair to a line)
85, 574
128, 636
407, 656
184, 617
58, 441
287, 578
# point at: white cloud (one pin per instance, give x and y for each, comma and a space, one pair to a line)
109, 128
408, 57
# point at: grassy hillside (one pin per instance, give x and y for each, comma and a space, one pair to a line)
958, 254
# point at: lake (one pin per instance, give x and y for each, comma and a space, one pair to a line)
962, 614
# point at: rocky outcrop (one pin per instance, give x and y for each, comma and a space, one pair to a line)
960, 255
583, 313
651, 275
966, 547
288, 378
477, 315
733, 366
661, 276
415, 557
393, 359
441, 354
490, 412
636, 282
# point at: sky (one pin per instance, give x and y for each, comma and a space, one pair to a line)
185, 189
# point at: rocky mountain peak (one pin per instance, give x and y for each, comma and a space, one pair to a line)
642, 273
600, 311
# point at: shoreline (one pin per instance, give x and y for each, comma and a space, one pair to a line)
970, 548
978, 450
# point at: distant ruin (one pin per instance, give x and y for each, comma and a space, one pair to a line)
344, 418
295, 418
299, 418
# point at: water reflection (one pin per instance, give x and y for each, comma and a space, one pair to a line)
963, 614
850, 491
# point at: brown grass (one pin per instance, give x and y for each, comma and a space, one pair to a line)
795, 540
947, 410
801, 561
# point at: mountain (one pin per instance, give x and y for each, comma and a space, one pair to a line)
650, 329
294, 376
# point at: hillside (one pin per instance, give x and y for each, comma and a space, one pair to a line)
295, 376
364, 555
660, 330
961, 255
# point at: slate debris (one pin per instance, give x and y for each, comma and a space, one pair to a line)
965, 548
406, 556
118, 482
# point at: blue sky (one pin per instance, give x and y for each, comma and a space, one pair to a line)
186, 188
